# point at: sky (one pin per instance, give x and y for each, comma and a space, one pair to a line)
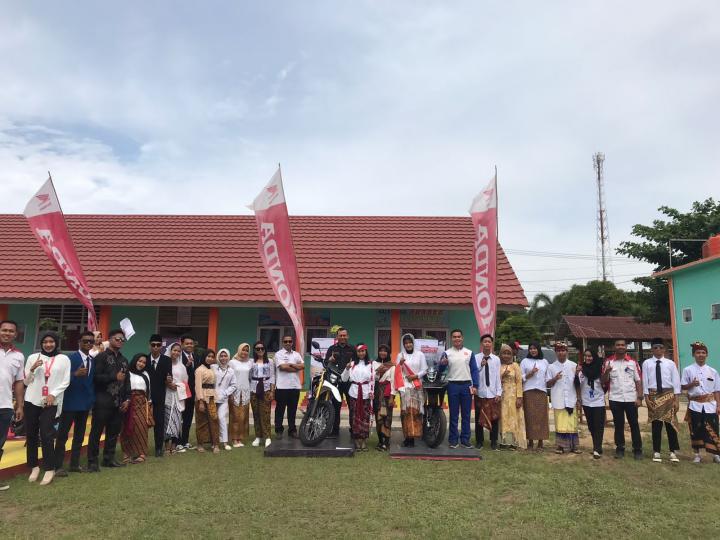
372, 108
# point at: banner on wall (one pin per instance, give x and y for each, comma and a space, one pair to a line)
484, 270
277, 252
47, 223
431, 348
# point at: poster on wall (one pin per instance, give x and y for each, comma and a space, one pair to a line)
431, 348
324, 344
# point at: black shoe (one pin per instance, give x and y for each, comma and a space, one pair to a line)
159, 452
453, 446
61, 473
93, 467
278, 435
76, 468
493, 446
333, 436
113, 464
619, 454
479, 445
293, 435
466, 445
638, 454
409, 443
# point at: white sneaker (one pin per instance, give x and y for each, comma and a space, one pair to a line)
697, 459
189, 446
716, 458
180, 449
674, 458
34, 473
4, 487
228, 447
238, 445
268, 441
256, 442
47, 478
596, 454
657, 458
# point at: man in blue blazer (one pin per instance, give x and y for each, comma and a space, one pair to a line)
78, 399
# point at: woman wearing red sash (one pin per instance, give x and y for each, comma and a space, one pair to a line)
410, 368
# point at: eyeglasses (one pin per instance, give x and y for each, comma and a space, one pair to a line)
156, 344
287, 341
259, 348
118, 338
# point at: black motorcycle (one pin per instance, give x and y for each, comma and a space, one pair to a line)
317, 423
434, 420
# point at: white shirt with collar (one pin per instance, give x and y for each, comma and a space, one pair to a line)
12, 370
57, 382
459, 364
493, 367
624, 373
287, 380
361, 374
709, 383
225, 382
668, 371
537, 381
562, 393
591, 396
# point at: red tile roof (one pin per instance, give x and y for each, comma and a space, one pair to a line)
582, 326
214, 259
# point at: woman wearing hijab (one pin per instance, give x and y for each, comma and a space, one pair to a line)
410, 368
361, 375
512, 419
262, 388
175, 395
138, 418
99, 345
240, 400
384, 396
207, 426
535, 402
592, 395
47, 375
225, 386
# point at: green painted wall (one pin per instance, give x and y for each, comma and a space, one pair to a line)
465, 321
144, 321
25, 315
360, 324
236, 326
698, 288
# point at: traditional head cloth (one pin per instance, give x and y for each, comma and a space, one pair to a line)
657, 341
387, 350
240, 348
220, 351
205, 357
55, 338
506, 347
592, 370
362, 347
699, 346
539, 350
560, 345
411, 339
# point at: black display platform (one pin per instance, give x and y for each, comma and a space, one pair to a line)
442, 453
289, 447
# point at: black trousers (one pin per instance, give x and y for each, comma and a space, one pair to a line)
286, 398
67, 419
621, 409
344, 389
595, 417
159, 429
480, 433
109, 420
657, 426
187, 417
40, 420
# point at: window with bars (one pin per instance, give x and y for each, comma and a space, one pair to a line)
687, 315
176, 321
715, 312
68, 320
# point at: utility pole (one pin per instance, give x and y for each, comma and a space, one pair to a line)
604, 269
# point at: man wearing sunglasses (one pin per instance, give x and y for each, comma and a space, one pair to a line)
78, 399
159, 368
289, 364
111, 401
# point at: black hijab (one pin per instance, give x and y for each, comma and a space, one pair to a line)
56, 338
132, 367
592, 371
540, 355
205, 357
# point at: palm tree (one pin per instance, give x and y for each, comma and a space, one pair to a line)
545, 313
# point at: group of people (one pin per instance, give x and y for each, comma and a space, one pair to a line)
166, 389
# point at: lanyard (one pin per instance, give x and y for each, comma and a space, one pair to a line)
48, 369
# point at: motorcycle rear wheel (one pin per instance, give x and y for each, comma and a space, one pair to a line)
435, 428
314, 429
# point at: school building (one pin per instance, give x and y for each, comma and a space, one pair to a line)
171, 274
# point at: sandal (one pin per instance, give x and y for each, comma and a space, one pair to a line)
126, 460
559, 451
139, 459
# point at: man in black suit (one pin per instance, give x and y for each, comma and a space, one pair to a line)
160, 368
191, 363
341, 354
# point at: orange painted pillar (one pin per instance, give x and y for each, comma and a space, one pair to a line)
394, 333
673, 324
104, 322
213, 318
4, 311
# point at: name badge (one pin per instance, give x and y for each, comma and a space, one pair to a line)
592, 393
45, 391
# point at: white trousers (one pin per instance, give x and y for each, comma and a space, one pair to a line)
223, 411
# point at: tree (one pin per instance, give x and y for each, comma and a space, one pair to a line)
599, 298
517, 327
545, 312
702, 221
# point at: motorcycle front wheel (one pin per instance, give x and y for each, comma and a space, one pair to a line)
435, 427
314, 429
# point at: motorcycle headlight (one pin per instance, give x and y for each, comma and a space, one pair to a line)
333, 378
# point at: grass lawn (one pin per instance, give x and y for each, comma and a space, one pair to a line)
241, 494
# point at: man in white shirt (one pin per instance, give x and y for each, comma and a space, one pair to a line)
563, 398
489, 393
289, 364
622, 373
12, 373
703, 387
661, 384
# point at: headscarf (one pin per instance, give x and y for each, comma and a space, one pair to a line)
505, 347
363, 347
386, 349
592, 370
55, 337
540, 355
205, 356
697, 346
239, 350
402, 344
170, 347
217, 356
132, 367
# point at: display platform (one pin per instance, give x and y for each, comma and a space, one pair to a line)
289, 447
422, 451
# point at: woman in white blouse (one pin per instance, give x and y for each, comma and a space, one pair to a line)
240, 400
175, 395
47, 375
361, 375
410, 368
225, 386
138, 418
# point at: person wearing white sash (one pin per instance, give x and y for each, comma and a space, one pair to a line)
410, 368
